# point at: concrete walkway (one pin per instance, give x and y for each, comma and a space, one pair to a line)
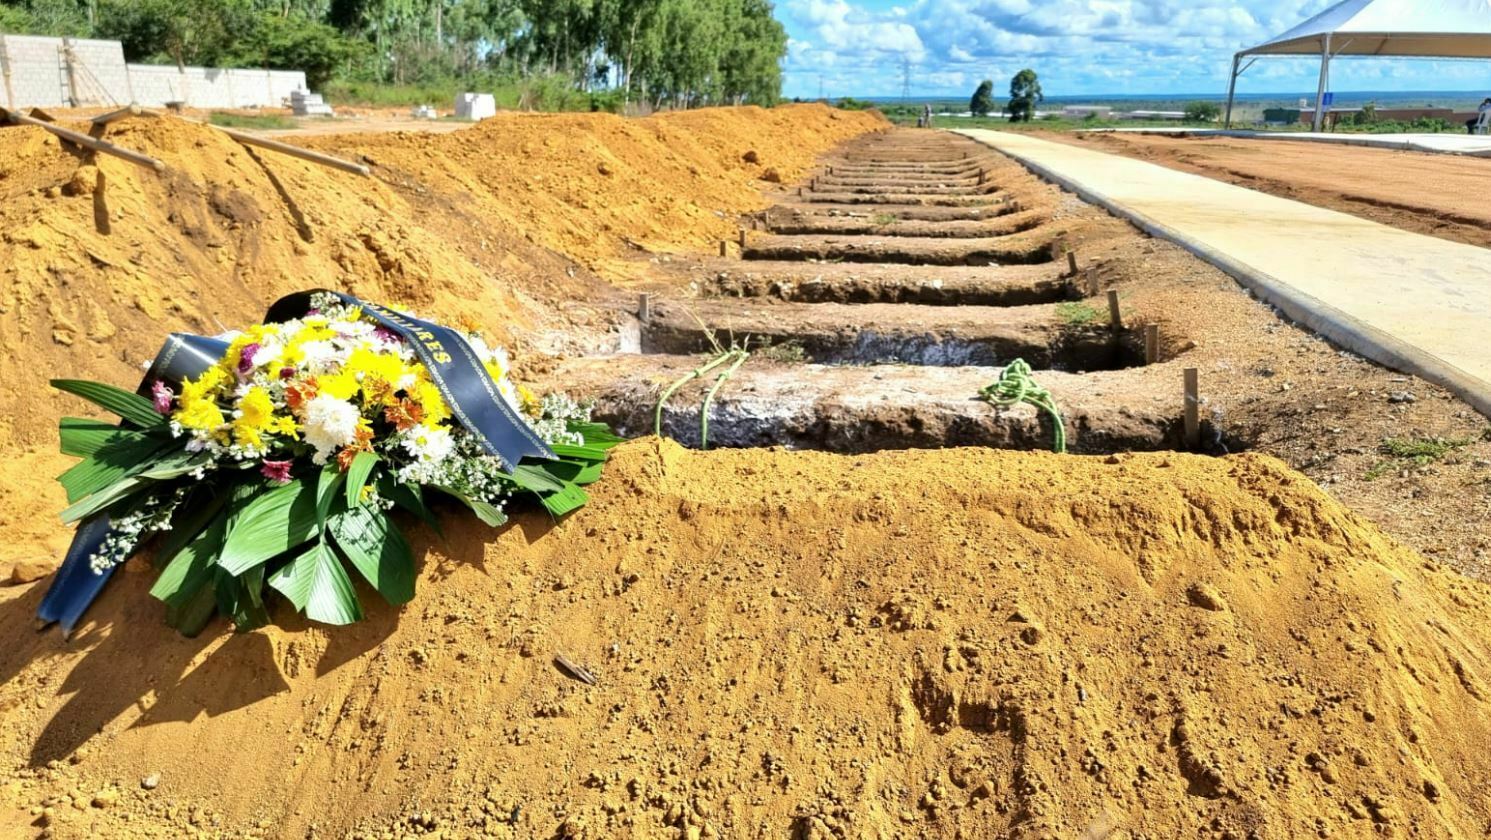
1439, 144
1412, 302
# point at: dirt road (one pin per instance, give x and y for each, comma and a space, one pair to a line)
1438, 195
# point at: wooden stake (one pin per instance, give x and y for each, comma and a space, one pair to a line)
85, 141
1151, 343
295, 151
1071, 262
724, 248
742, 239
1115, 318
122, 113
1193, 409
644, 308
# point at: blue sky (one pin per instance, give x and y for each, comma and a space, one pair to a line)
1079, 47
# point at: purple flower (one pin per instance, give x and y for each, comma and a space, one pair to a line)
387, 336
276, 471
287, 372
161, 395
246, 358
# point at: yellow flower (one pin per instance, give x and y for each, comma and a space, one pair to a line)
204, 386
342, 384
428, 395
372, 368
494, 370
200, 414
529, 401
255, 416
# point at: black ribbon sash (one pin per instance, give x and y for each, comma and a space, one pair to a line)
453, 365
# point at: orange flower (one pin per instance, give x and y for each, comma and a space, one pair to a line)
297, 394
405, 414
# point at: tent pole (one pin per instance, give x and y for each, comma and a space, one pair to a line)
1231, 90
1325, 64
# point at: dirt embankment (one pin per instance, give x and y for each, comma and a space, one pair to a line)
512, 226
100, 259
933, 644
1438, 195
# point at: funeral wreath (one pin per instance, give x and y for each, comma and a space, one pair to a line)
264, 463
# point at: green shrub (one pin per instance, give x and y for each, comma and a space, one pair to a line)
1203, 112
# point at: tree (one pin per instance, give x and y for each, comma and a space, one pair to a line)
1025, 94
1202, 112
982, 102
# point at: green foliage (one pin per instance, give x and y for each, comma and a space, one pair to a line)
982, 103
849, 103
261, 122
606, 55
1202, 112
1025, 95
1422, 451
1078, 313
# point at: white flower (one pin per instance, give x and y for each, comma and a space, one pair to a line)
329, 423
320, 354
430, 445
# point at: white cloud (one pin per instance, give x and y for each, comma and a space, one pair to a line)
1078, 46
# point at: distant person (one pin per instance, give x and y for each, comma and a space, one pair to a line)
1471, 124
927, 114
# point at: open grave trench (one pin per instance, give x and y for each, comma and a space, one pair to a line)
876, 300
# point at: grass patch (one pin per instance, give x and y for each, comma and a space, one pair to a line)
883, 219
263, 122
1078, 313
789, 352
1422, 451
1417, 451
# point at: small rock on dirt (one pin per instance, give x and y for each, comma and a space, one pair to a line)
29, 571
751, 157
771, 176
1400, 397
1206, 597
150, 782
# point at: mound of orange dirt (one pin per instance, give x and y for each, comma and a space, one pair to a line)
588, 185
924, 644
99, 259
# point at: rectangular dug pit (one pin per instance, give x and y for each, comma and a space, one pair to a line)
890, 224
860, 283
855, 410
1025, 248
872, 334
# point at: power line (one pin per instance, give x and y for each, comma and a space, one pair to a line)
905, 78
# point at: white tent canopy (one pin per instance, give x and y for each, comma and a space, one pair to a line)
1398, 28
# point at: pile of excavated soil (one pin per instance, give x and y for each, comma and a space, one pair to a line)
922, 644
100, 259
587, 185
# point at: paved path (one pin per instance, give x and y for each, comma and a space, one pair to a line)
1412, 302
1443, 144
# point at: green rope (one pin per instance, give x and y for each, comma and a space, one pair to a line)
736, 356
740, 358
1016, 385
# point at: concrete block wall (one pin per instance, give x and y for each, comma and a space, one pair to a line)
99, 76
35, 72
156, 84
